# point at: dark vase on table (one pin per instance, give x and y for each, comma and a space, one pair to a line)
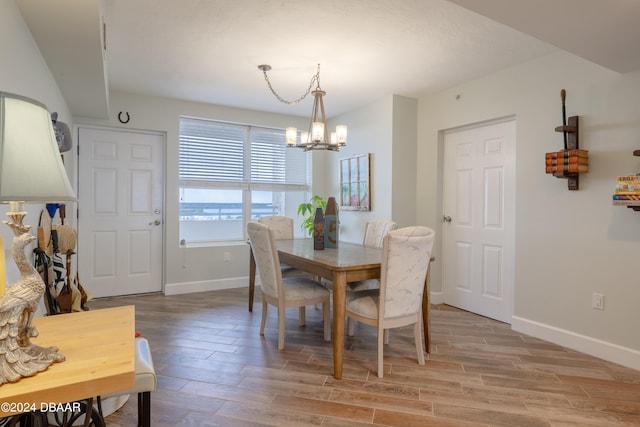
318, 230
331, 224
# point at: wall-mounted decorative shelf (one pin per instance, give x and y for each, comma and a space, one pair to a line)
570, 162
628, 183
631, 204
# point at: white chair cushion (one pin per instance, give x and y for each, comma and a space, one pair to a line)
364, 303
302, 288
145, 374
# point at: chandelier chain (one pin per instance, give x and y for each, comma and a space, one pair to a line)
315, 79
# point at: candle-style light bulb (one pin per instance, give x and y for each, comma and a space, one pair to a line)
317, 132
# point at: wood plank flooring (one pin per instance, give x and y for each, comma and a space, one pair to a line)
214, 369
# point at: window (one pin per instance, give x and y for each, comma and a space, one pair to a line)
231, 174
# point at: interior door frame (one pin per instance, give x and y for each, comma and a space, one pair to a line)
438, 296
163, 183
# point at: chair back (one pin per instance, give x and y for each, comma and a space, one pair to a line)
375, 230
282, 226
261, 238
406, 253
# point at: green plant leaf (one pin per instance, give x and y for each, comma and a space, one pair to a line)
308, 210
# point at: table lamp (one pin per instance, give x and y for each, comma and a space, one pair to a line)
31, 171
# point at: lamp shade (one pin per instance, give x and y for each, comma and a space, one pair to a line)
31, 169
291, 136
341, 134
317, 132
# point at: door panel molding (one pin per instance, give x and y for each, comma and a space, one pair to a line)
121, 208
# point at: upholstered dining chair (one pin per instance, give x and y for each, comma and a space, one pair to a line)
406, 253
282, 292
282, 227
374, 232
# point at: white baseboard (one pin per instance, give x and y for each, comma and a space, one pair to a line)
597, 348
436, 298
206, 285
593, 347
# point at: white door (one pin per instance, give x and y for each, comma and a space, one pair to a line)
478, 229
120, 203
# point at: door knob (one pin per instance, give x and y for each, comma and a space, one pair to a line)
446, 218
156, 222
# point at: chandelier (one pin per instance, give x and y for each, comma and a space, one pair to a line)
317, 136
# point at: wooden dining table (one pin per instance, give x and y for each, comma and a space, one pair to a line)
349, 262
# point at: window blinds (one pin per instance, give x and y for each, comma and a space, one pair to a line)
216, 154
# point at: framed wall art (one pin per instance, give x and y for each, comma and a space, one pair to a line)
355, 183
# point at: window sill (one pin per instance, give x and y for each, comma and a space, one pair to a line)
190, 245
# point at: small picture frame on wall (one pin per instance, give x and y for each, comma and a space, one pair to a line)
355, 186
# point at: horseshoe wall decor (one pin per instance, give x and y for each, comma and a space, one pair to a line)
120, 117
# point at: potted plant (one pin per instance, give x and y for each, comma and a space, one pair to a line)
308, 210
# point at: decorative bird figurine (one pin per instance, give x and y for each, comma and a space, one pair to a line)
18, 356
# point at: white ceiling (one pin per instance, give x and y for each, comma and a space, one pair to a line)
209, 50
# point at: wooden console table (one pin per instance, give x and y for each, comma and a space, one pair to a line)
99, 350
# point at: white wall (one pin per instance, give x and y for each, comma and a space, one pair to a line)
404, 165
387, 130
370, 131
569, 244
24, 71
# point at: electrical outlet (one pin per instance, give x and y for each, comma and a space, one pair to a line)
597, 301
227, 257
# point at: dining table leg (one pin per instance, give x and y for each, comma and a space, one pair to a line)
252, 278
426, 310
426, 314
339, 308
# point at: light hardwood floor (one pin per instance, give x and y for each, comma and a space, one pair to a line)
214, 369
